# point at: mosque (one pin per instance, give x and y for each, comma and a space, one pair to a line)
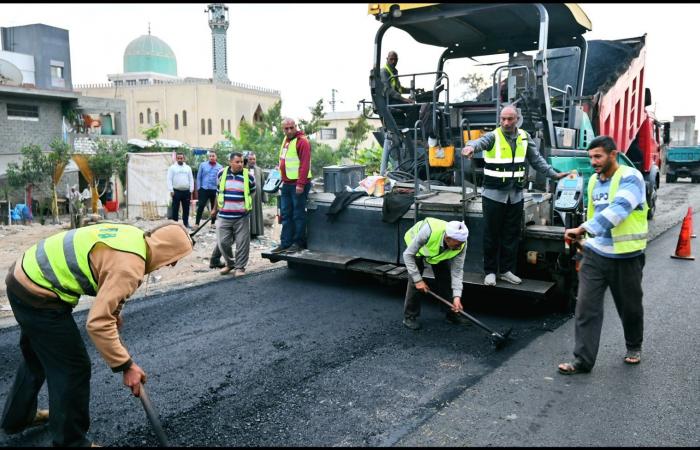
195, 111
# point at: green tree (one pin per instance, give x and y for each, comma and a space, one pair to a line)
59, 156
316, 123
153, 133
109, 159
474, 84
371, 158
33, 173
357, 133
322, 155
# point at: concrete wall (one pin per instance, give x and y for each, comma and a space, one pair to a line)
49, 45
201, 100
15, 134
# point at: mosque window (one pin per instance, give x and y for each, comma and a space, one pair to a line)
229, 125
157, 117
148, 116
222, 126
140, 117
177, 122
131, 82
184, 118
208, 126
203, 127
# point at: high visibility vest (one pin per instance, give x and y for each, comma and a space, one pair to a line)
630, 235
394, 82
60, 263
247, 200
431, 251
291, 160
501, 165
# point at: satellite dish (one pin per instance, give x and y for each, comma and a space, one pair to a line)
9, 73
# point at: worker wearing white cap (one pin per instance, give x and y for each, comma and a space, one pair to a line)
442, 245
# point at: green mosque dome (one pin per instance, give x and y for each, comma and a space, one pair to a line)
147, 53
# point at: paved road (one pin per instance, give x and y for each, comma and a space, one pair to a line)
235, 364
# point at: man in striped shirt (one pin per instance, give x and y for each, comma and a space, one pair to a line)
612, 256
233, 205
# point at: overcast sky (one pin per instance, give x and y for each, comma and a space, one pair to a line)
307, 50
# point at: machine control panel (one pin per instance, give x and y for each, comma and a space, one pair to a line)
569, 193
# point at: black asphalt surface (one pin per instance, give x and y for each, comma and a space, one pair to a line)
280, 358
284, 359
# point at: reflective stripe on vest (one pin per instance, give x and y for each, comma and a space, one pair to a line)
291, 160
247, 199
630, 235
394, 82
60, 263
431, 249
500, 162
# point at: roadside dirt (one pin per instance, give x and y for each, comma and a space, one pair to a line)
190, 271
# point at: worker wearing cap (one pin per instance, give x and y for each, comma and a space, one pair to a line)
442, 245
108, 261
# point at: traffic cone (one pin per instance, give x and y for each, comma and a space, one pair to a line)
683, 246
692, 230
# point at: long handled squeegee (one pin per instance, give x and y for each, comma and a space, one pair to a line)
153, 417
199, 228
498, 339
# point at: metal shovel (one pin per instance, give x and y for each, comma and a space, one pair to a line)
498, 339
153, 417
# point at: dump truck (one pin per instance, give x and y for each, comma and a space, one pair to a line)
683, 162
567, 90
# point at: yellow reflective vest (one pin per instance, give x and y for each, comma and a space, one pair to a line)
291, 160
60, 263
248, 200
502, 165
630, 235
431, 251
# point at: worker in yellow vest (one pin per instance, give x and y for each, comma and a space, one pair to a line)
295, 169
613, 256
442, 245
106, 260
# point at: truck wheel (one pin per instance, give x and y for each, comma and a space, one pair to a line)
670, 178
651, 201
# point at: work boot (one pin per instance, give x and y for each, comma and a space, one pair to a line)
457, 318
225, 270
216, 265
41, 417
279, 249
510, 277
411, 322
293, 249
490, 279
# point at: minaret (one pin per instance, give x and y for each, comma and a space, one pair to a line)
218, 22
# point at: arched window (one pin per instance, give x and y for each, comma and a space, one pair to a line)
177, 122
148, 116
184, 118
229, 125
257, 117
222, 126
203, 130
140, 117
238, 132
157, 117
209, 126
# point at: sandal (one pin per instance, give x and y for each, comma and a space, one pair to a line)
572, 368
633, 357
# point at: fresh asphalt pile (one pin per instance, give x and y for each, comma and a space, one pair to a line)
283, 358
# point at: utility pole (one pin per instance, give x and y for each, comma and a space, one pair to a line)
333, 101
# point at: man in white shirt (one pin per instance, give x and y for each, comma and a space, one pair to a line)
180, 185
